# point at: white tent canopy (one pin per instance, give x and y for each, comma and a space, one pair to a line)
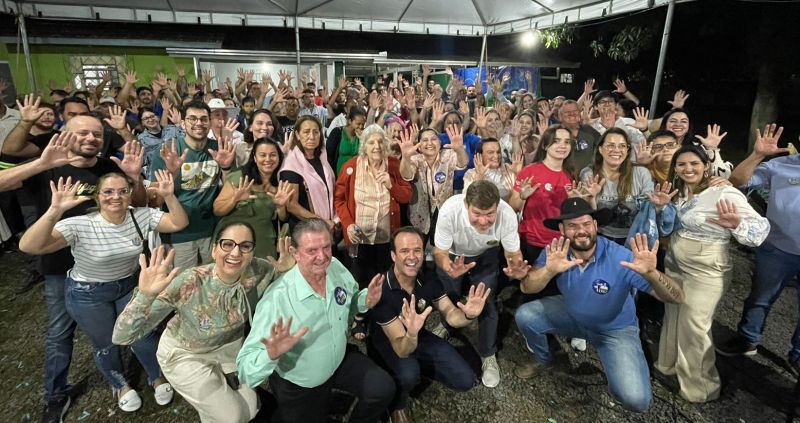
443, 17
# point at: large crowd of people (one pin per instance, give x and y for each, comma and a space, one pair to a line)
241, 236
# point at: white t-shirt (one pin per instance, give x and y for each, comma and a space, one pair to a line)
103, 251
455, 234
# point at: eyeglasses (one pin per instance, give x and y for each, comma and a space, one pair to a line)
228, 245
605, 102
148, 117
194, 119
666, 146
572, 113
610, 147
122, 192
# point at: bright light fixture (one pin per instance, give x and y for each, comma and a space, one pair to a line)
529, 38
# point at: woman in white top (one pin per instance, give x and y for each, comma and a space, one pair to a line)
106, 245
698, 257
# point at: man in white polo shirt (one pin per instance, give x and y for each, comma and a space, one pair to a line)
469, 233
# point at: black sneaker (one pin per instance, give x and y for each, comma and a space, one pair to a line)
737, 346
54, 411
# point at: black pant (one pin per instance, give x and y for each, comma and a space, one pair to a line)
357, 375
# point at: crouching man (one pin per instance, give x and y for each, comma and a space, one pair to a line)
597, 279
406, 348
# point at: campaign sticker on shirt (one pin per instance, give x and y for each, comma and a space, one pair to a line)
600, 286
340, 295
439, 177
421, 304
583, 145
349, 171
492, 242
548, 186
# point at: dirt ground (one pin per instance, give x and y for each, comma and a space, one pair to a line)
757, 389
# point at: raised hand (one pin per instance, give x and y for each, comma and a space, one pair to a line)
662, 195
242, 191
588, 87
713, 138
155, 276
428, 102
409, 317
181, 71
517, 269
476, 299
527, 188
169, 153
644, 259
558, 260
728, 217
130, 78
542, 125
458, 268
718, 181
456, 134
517, 161
65, 195
283, 194
116, 117
679, 99
166, 104
230, 127
619, 86
545, 111
480, 117
174, 116
644, 153
162, 79
374, 291
56, 153
285, 260
407, 146
426, 70
767, 143
131, 163
641, 117
266, 80
480, 168
29, 108
166, 184
594, 185
207, 76
280, 340
224, 154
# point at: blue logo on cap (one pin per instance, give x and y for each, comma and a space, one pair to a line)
600, 286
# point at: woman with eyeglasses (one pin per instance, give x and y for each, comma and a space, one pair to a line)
154, 132
613, 182
699, 257
106, 245
212, 304
252, 194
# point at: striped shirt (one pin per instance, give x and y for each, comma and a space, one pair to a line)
103, 251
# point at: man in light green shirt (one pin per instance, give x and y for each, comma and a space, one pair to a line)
319, 296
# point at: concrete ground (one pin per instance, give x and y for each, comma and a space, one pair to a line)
756, 389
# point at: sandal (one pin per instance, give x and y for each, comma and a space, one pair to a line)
359, 329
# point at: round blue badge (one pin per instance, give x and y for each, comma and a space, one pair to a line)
583, 145
340, 295
439, 177
600, 286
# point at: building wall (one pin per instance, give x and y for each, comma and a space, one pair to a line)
52, 62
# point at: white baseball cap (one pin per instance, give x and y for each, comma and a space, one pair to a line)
218, 103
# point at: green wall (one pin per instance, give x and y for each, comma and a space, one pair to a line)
52, 62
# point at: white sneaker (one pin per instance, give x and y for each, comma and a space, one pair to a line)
578, 344
130, 401
163, 394
491, 372
441, 332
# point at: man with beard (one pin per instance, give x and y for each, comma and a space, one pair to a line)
399, 337
72, 153
597, 279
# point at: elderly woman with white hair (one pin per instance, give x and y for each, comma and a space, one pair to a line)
369, 192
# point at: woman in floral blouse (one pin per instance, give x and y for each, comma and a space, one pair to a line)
212, 304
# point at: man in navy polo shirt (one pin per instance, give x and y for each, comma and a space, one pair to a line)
405, 347
597, 279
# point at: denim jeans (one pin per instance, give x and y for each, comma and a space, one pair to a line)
95, 307
486, 270
434, 357
620, 350
59, 340
774, 269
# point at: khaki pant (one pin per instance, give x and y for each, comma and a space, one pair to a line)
686, 348
199, 378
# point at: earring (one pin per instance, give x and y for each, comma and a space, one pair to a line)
705, 174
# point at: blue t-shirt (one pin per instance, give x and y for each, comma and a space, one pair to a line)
471, 147
781, 176
600, 296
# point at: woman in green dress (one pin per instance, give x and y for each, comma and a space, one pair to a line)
253, 195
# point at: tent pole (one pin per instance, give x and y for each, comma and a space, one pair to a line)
27, 50
196, 63
297, 45
480, 62
662, 57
